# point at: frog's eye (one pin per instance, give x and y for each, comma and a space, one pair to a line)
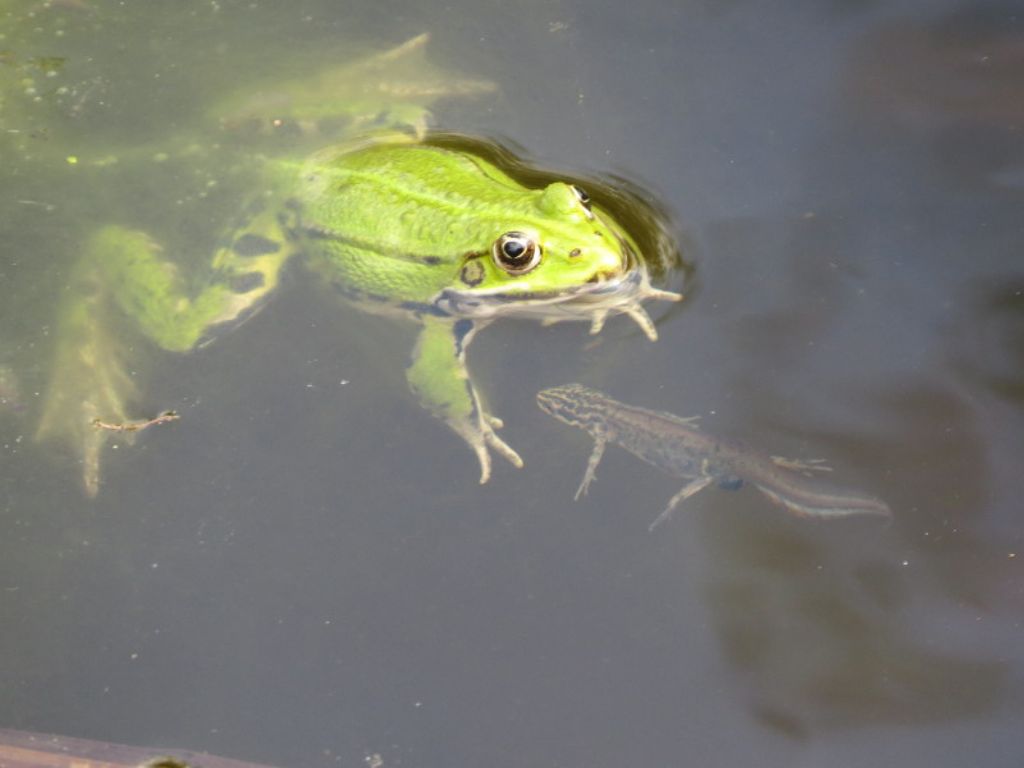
582, 196
516, 253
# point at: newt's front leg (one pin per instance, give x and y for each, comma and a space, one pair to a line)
439, 378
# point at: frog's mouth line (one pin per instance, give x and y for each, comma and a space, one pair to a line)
591, 302
500, 301
621, 292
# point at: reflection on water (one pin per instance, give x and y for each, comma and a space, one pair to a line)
823, 641
963, 66
303, 571
987, 342
957, 80
815, 621
823, 633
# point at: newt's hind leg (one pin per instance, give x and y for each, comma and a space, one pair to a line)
694, 486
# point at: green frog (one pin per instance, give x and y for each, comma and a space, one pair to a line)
399, 223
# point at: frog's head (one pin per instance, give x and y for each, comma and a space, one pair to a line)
557, 256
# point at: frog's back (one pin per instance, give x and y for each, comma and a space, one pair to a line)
437, 195
400, 220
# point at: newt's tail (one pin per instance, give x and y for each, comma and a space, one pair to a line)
810, 500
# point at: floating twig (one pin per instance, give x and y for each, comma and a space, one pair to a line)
137, 424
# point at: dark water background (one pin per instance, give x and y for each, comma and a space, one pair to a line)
304, 572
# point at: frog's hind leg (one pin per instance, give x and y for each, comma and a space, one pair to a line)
123, 280
90, 380
154, 296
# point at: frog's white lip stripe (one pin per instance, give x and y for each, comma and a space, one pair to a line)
499, 300
591, 302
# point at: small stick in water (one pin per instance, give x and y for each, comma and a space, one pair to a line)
137, 424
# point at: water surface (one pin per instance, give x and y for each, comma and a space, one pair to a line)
304, 572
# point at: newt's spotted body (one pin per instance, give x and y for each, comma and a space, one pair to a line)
675, 445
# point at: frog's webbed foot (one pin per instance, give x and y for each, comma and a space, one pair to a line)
483, 436
634, 309
403, 118
804, 466
91, 378
438, 376
90, 385
248, 267
397, 87
390, 89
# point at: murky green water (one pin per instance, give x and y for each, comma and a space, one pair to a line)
303, 571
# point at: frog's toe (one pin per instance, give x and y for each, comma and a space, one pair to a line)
641, 318
485, 462
503, 448
409, 118
485, 440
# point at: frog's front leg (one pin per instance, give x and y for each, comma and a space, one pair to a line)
123, 280
439, 378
